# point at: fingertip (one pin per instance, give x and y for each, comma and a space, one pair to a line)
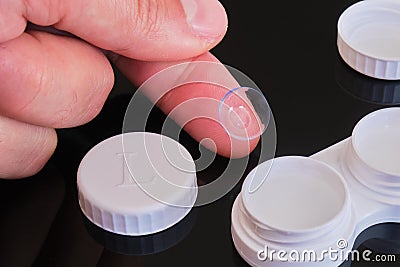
24, 148
12, 24
42, 148
223, 144
195, 108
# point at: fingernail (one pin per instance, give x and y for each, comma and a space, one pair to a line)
207, 18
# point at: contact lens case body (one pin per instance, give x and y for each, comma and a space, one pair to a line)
308, 211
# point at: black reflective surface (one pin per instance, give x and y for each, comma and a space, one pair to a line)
289, 50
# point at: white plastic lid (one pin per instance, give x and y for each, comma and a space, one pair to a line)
369, 38
111, 194
146, 244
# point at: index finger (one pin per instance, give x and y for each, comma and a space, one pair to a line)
190, 94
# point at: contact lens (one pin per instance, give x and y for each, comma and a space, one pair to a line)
244, 113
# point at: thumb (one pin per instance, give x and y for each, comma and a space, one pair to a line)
141, 29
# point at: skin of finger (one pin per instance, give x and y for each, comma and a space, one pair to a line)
144, 30
24, 148
198, 128
204, 127
52, 81
12, 24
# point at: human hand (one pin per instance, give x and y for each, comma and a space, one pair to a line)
50, 81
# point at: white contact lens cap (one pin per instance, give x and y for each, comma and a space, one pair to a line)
369, 38
244, 113
137, 183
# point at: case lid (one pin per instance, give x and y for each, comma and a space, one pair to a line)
137, 183
369, 38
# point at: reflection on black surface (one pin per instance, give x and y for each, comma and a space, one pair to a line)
237, 259
142, 245
381, 239
28, 208
366, 88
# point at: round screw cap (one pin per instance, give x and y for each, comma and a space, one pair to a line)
368, 38
137, 183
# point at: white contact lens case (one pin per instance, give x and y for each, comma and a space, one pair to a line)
369, 38
137, 183
323, 202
